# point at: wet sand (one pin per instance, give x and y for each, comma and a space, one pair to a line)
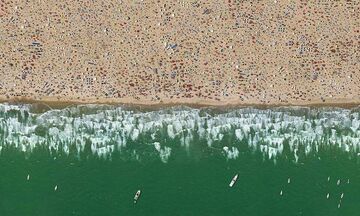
180, 52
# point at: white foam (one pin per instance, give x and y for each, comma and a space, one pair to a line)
106, 126
163, 153
157, 146
231, 153
135, 134
170, 131
239, 134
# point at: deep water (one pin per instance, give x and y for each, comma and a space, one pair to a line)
288, 160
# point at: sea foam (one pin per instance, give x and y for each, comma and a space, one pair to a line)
106, 129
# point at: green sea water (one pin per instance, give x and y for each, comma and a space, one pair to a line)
91, 159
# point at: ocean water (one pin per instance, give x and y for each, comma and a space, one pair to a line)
91, 159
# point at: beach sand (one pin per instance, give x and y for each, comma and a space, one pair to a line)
187, 52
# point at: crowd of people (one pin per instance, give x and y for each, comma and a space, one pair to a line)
262, 52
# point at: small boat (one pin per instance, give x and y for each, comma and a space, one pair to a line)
234, 180
137, 195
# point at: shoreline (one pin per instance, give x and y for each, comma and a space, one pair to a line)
54, 103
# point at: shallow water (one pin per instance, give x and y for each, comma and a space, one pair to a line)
181, 158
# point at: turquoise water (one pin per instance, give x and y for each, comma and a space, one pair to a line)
183, 159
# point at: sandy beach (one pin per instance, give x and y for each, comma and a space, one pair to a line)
187, 52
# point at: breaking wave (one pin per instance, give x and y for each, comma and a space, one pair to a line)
102, 130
